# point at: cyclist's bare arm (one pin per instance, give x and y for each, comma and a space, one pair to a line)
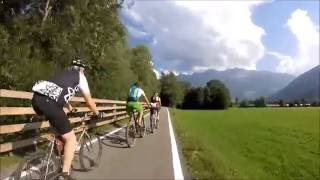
84, 87
91, 104
146, 100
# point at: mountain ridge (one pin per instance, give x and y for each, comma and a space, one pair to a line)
306, 86
244, 84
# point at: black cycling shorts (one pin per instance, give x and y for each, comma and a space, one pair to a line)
155, 109
47, 107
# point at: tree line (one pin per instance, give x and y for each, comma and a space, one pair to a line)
39, 38
175, 93
215, 95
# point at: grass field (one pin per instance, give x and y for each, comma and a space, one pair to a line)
253, 143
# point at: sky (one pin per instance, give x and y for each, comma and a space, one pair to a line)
194, 36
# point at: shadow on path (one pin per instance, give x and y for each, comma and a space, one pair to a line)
116, 140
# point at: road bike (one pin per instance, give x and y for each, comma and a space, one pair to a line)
133, 129
154, 121
47, 164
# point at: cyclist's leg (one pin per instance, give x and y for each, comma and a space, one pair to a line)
139, 108
158, 113
131, 106
59, 121
140, 118
69, 149
129, 109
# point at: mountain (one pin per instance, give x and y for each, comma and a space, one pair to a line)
244, 84
305, 86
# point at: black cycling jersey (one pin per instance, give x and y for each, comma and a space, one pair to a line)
60, 87
69, 81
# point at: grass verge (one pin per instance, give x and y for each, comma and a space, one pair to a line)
266, 143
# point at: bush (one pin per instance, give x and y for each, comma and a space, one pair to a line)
260, 102
244, 103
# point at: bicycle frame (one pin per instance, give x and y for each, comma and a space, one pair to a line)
52, 143
153, 111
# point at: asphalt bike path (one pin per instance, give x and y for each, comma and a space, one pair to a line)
152, 157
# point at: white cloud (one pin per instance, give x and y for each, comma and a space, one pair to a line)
193, 36
158, 74
307, 36
135, 32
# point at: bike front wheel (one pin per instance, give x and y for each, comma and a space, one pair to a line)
35, 167
156, 122
90, 151
152, 123
142, 128
131, 134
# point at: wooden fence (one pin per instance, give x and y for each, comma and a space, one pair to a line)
115, 111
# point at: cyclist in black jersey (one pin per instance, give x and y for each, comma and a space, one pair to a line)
51, 96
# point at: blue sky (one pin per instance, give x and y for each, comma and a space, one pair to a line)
278, 38
192, 36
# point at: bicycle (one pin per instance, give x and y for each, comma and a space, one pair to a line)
47, 164
153, 119
133, 129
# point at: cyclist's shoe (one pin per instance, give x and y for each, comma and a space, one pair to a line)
101, 115
66, 176
141, 126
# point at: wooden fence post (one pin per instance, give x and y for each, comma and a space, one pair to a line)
114, 112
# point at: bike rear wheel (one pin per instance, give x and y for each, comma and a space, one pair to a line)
131, 133
152, 123
156, 122
142, 128
90, 151
34, 168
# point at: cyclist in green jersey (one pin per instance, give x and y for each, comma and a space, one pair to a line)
133, 103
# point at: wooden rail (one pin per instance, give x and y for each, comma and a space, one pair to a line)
114, 109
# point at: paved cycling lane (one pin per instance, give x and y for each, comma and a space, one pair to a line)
151, 158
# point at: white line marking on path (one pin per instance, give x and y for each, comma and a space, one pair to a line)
178, 175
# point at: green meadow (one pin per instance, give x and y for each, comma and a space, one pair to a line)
250, 143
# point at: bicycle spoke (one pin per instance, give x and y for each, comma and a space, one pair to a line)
131, 132
90, 152
36, 167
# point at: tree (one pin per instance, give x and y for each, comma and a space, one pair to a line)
260, 102
141, 65
216, 95
315, 104
172, 91
244, 103
193, 98
237, 101
45, 35
296, 103
282, 103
